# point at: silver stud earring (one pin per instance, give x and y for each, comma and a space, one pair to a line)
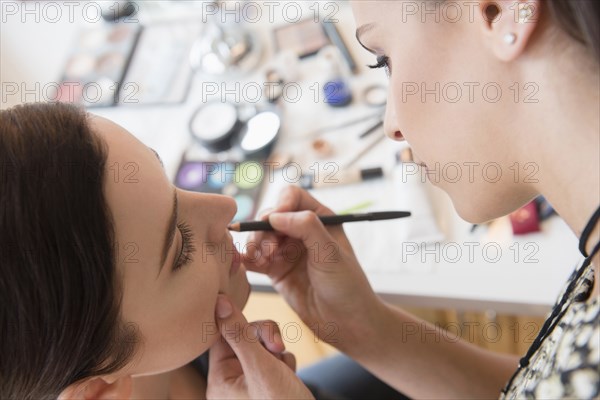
510, 38
525, 12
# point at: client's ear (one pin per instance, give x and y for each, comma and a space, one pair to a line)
100, 388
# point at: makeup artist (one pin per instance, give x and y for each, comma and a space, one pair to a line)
548, 52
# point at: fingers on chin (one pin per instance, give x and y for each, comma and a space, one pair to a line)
270, 335
289, 359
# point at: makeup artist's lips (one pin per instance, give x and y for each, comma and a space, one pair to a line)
418, 160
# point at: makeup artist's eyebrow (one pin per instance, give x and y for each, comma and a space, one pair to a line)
170, 233
364, 28
361, 31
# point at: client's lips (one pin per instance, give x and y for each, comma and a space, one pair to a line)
236, 262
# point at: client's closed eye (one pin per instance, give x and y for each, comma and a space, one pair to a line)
187, 246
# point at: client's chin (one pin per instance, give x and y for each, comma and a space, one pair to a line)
239, 288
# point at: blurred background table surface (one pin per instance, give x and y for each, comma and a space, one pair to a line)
407, 261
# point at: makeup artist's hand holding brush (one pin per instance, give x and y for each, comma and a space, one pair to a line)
315, 269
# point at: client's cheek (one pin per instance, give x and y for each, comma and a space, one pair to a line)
239, 288
209, 335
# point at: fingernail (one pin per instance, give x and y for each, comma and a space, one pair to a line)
253, 333
251, 252
278, 339
264, 212
277, 219
265, 248
223, 308
258, 260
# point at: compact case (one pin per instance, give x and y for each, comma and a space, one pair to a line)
221, 126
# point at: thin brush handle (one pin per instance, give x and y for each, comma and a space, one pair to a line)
325, 219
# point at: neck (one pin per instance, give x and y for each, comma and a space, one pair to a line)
566, 144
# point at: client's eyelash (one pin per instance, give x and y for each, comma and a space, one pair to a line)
187, 247
382, 62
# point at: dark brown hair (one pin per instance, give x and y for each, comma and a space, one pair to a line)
579, 18
59, 289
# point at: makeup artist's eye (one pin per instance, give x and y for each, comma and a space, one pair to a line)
382, 62
187, 246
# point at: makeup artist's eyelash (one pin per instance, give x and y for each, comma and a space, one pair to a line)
382, 62
187, 247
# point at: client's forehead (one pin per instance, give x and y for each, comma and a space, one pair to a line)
137, 191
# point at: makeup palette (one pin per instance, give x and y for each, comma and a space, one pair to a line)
241, 180
304, 37
221, 126
126, 64
307, 37
231, 145
96, 67
160, 70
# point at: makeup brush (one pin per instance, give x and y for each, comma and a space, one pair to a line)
325, 219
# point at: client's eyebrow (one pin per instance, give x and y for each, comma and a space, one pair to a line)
172, 224
170, 232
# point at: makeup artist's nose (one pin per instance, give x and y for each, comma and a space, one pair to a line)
390, 122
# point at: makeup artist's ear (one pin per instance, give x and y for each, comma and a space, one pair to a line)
508, 25
100, 388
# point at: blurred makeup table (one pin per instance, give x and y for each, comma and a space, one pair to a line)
429, 260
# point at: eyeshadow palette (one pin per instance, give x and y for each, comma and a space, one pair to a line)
304, 37
96, 67
241, 180
160, 71
126, 64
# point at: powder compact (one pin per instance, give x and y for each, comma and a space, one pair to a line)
215, 124
220, 126
259, 133
375, 95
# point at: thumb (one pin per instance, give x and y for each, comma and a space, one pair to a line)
242, 337
303, 225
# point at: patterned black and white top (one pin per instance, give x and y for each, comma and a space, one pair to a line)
567, 363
